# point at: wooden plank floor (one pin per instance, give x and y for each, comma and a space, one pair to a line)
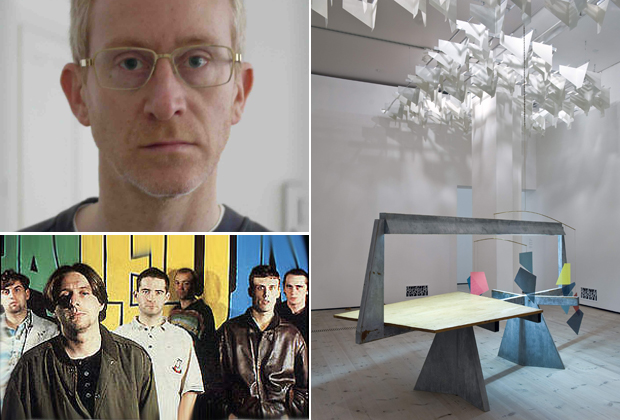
376, 380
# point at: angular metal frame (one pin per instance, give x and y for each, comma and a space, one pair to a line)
370, 325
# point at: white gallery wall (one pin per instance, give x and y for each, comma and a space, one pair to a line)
364, 164
578, 175
48, 160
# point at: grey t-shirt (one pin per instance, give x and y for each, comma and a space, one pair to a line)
63, 222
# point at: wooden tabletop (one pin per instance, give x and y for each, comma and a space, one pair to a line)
447, 312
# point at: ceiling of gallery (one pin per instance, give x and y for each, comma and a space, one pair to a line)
346, 48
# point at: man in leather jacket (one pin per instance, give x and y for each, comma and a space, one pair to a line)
264, 359
86, 371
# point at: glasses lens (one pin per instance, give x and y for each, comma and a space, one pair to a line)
204, 65
124, 68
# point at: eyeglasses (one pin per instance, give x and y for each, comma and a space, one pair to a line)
127, 68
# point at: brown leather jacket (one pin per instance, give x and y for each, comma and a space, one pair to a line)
43, 384
264, 374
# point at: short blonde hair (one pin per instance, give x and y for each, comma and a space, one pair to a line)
79, 29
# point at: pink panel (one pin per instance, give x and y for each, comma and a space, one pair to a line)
478, 283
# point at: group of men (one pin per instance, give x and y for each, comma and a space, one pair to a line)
254, 366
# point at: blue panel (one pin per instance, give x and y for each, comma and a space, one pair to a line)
567, 289
525, 259
526, 281
575, 321
248, 256
469, 283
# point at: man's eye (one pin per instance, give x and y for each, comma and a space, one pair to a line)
131, 64
196, 62
5, 292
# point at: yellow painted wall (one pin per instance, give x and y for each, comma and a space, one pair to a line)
120, 258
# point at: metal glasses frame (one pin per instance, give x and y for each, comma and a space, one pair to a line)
90, 62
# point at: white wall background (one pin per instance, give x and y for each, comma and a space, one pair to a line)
363, 165
48, 161
578, 184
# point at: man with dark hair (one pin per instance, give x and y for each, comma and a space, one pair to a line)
295, 308
177, 373
86, 371
264, 359
20, 328
196, 317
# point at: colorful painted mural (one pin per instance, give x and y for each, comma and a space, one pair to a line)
224, 261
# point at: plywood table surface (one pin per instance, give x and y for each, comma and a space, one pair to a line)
447, 312
452, 365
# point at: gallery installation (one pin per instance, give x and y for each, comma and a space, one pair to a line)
513, 104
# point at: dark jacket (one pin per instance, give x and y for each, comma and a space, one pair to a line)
300, 320
264, 374
44, 383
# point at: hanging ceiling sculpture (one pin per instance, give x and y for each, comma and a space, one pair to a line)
444, 91
443, 94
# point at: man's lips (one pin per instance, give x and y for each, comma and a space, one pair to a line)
168, 146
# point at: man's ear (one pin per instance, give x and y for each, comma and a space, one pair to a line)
243, 86
27, 294
71, 82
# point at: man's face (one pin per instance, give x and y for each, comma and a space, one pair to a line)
14, 298
166, 138
264, 292
295, 289
77, 307
183, 285
152, 296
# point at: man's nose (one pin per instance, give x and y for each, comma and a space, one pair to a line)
75, 299
165, 92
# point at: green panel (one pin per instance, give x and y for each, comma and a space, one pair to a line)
8, 259
41, 249
67, 249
